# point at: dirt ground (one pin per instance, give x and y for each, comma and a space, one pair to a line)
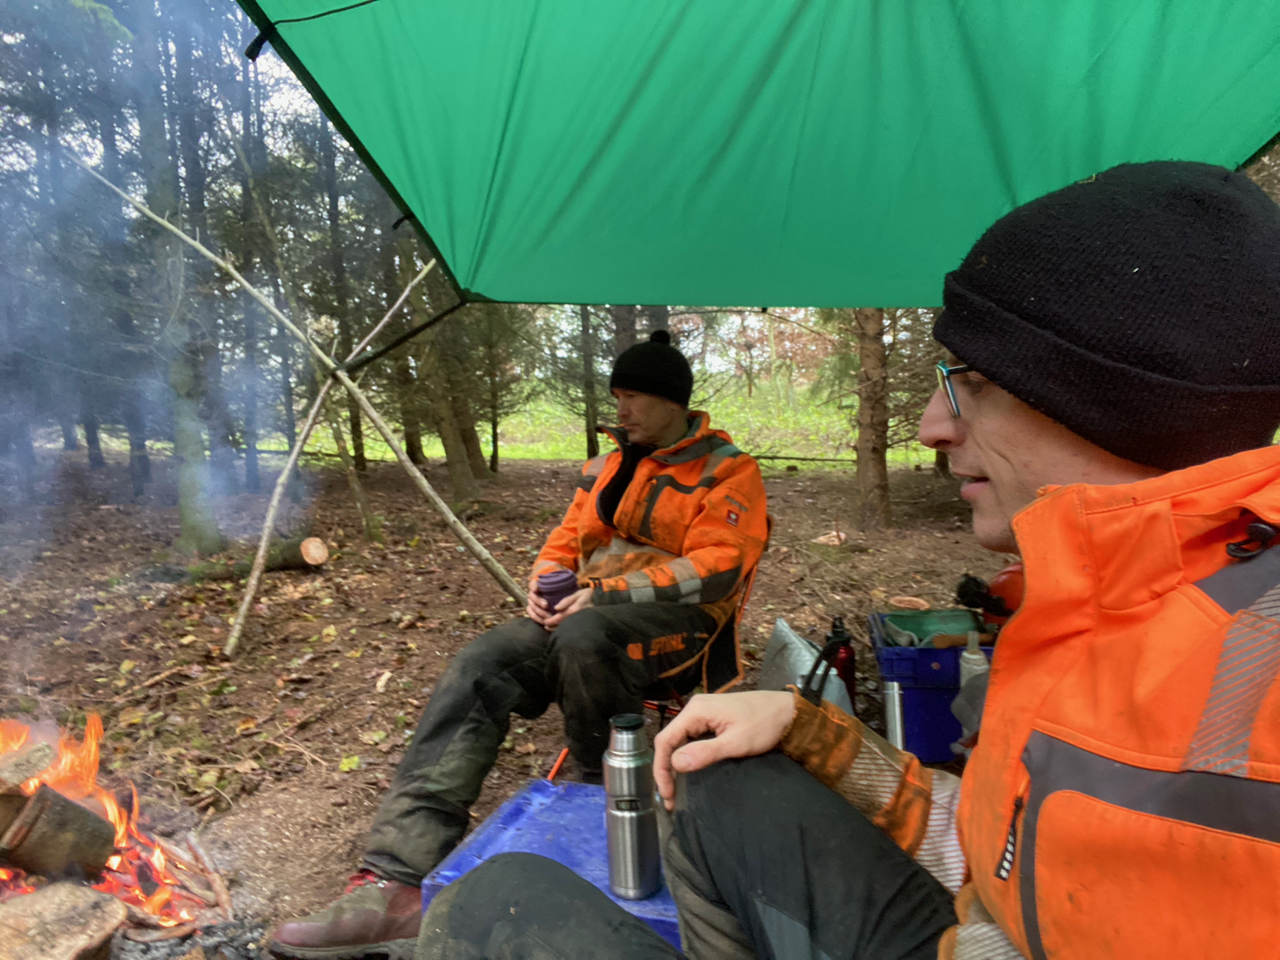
283, 752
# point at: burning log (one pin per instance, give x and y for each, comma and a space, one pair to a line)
16, 768
19, 766
53, 836
64, 921
57, 828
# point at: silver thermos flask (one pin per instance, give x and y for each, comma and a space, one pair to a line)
631, 822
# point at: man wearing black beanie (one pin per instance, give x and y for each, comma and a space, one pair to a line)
1110, 401
636, 594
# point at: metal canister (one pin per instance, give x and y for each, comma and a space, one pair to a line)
631, 821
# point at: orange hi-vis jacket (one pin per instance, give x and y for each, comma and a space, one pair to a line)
1123, 800
690, 528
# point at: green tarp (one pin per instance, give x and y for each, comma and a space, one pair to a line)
763, 152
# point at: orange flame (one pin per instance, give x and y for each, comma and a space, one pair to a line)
74, 774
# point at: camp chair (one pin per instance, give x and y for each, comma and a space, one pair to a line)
667, 696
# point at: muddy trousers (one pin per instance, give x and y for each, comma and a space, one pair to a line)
597, 663
762, 860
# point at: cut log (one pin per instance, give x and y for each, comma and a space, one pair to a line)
313, 551
63, 921
22, 764
52, 835
297, 554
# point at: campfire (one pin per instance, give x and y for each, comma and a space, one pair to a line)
57, 822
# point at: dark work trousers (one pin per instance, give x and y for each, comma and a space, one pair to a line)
597, 663
763, 861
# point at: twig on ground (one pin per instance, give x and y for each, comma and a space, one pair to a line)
163, 675
166, 933
215, 878
296, 748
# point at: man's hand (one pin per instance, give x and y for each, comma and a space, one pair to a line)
571, 604
536, 609
744, 724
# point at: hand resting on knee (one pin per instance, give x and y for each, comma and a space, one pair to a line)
741, 724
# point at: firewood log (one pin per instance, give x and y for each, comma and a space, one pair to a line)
63, 921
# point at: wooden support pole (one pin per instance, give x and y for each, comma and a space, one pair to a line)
485, 558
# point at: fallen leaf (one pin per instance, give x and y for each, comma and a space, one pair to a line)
527, 748
354, 654
347, 764
373, 736
909, 603
329, 633
246, 766
247, 725
189, 639
381, 685
127, 666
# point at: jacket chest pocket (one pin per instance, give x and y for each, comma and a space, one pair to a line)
667, 508
1115, 882
1124, 861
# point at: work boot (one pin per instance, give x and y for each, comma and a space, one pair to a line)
374, 917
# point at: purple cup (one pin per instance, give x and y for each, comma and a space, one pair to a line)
555, 586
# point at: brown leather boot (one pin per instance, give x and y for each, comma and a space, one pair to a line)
375, 917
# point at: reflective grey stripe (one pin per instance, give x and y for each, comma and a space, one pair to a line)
695, 451
1247, 667
1248, 663
586, 482
1239, 585
1250, 808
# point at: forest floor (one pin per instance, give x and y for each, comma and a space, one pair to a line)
284, 752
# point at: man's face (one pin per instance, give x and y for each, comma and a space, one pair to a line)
1004, 451
650, 420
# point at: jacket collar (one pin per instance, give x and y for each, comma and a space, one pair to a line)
1116, 547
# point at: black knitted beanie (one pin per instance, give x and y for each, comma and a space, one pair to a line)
1139, 308
654, 367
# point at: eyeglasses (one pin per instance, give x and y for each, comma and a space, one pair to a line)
945, 373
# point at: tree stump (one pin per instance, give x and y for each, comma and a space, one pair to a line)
64, 921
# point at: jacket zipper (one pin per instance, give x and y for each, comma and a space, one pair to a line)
1005, 867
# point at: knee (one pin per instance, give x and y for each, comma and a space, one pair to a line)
732, 784
492, 651
582, 635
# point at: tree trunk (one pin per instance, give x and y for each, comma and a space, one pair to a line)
465, 485
409, 416
132, 399
89, 417
493, 436
873, 421
198, 533
252, 475
466, 421
198, 528
589, 384
624, 328
341, 300
656, 318
368, 520
70, 436
942, 464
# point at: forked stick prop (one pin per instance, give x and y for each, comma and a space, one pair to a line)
485, 558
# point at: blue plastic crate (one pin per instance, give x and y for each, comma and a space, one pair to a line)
930, 680
562, 821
